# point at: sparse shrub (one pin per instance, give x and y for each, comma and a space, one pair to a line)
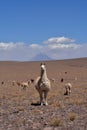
56, 122
4, 97
72, 116
23, 98
57, 104
24, 121
77, 101
35, 111
20, 108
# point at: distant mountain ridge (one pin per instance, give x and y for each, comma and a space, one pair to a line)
41, 57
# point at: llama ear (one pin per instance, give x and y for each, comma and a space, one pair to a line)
40, 64
44, 64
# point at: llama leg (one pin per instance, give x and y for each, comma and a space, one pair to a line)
69, 91
24, 87
45, 97
66, 93
41, 98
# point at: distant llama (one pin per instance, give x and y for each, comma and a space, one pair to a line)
42, 85
68, 87
24, 85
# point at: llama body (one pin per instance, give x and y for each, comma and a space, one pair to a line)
42, 85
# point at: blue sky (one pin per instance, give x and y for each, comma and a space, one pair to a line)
57, 28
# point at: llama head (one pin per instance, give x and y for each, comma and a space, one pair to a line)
42, 66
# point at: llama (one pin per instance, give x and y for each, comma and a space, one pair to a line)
42, 85
68, 87
52, 80
62, 80
2, 82
18, 83
24, 84
13, 83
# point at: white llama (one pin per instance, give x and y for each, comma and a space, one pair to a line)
42, 85
68, 87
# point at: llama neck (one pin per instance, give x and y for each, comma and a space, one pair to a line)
44, 75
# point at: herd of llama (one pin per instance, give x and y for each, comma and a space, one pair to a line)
42, 85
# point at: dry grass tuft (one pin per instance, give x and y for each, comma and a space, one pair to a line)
72, 116
55, 122
20, 108
36, 111
77, 101
3, 97
57, 104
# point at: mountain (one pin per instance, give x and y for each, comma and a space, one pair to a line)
41, 57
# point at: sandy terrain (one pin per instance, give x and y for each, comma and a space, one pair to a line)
19, 109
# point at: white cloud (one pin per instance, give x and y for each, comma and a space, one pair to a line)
56, 48
59, 40
35, 46
64, 46
5, 46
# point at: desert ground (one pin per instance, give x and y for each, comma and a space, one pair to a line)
19, 109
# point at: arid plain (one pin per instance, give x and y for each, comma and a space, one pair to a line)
18, 106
